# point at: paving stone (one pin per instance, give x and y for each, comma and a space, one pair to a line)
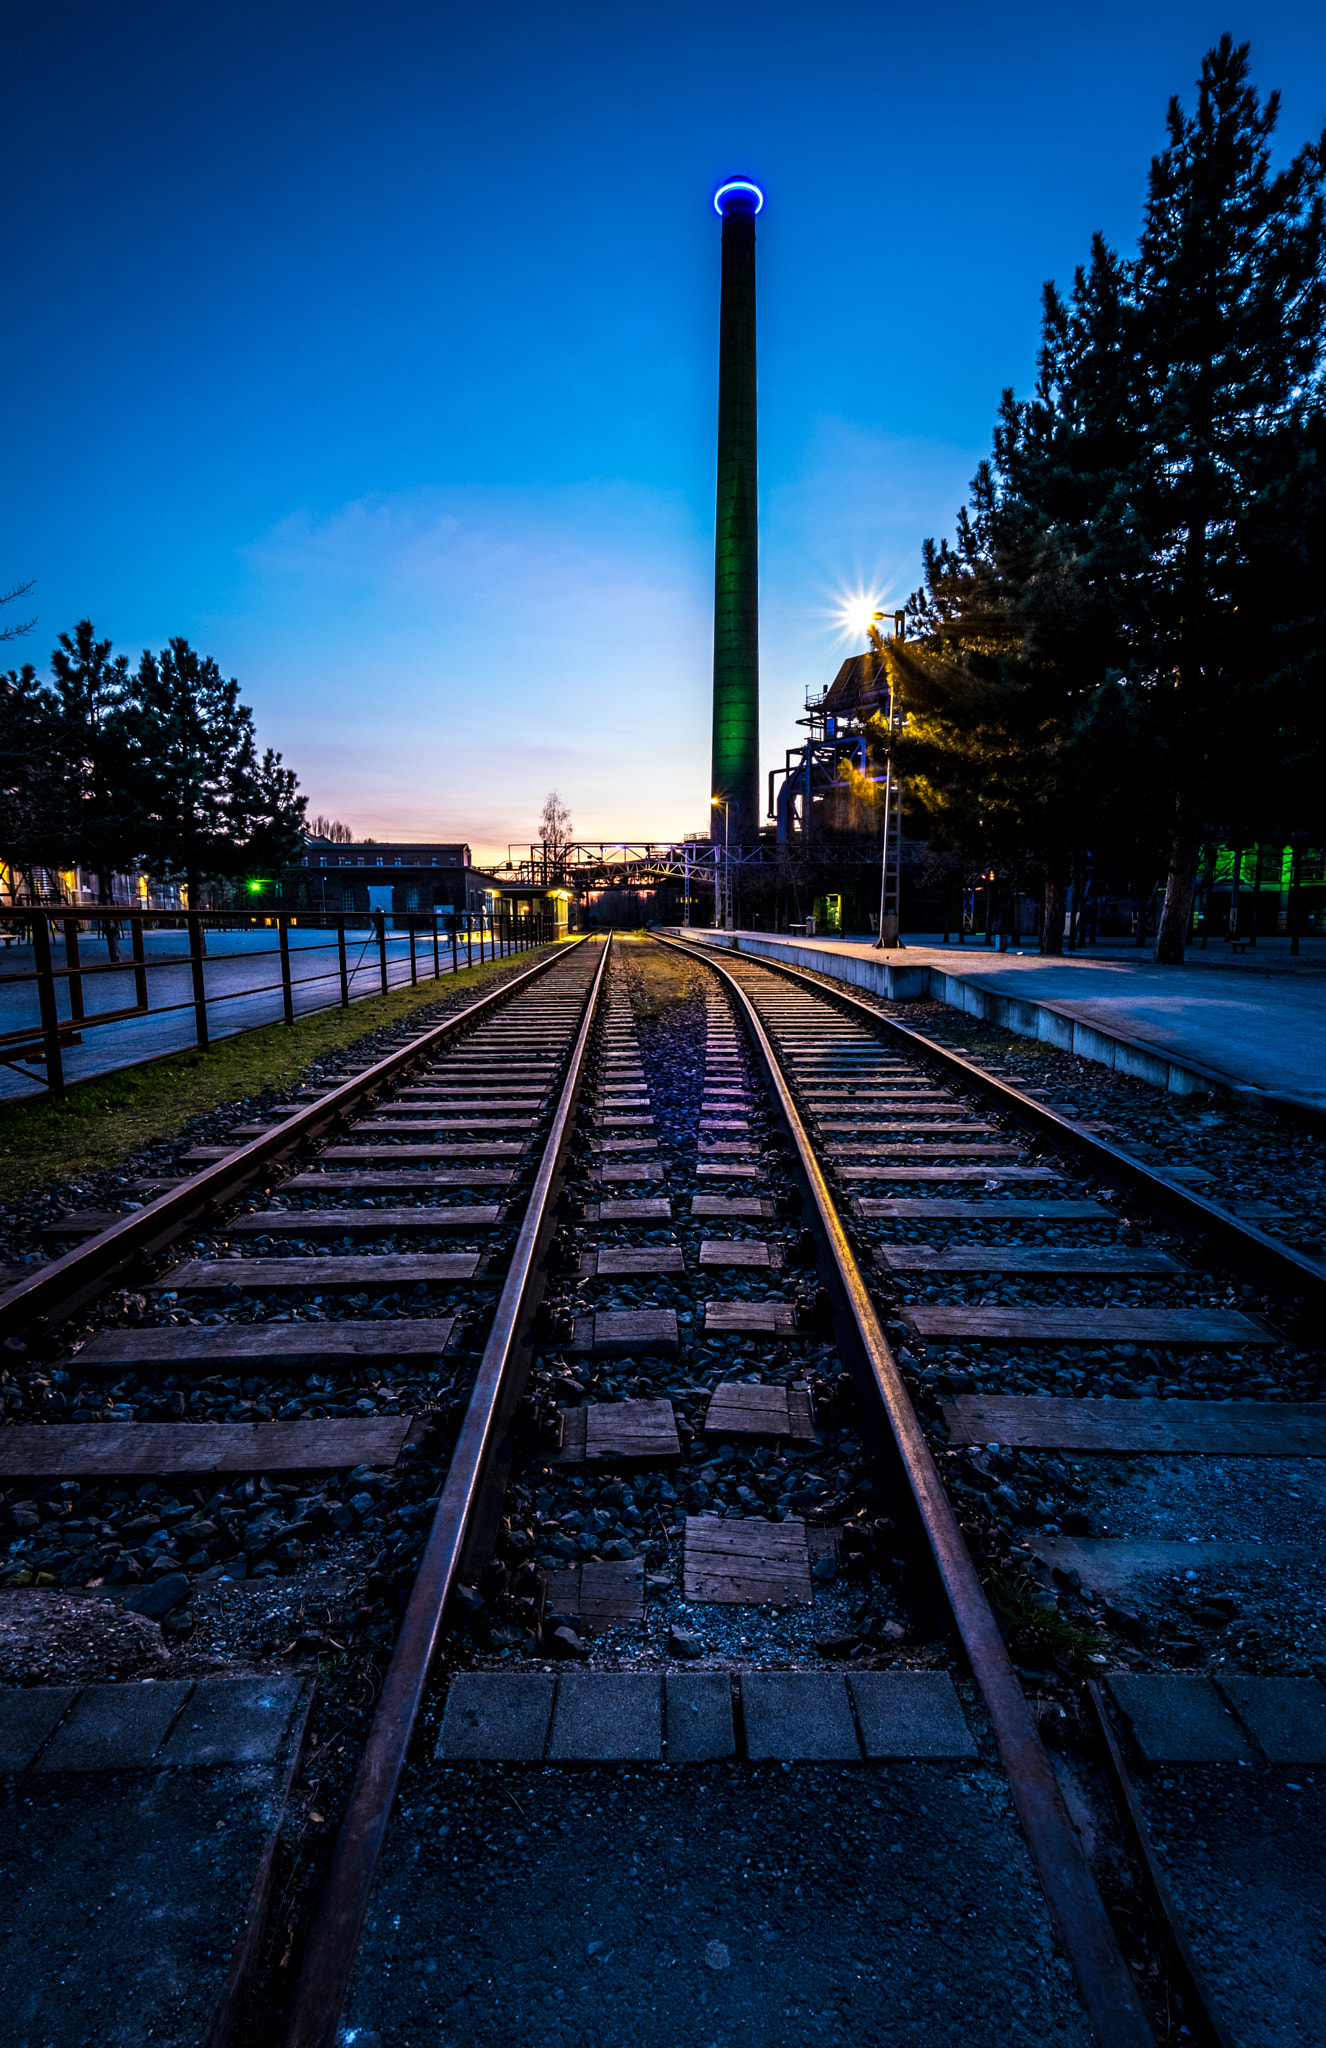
798, 1714
28, 1713
700, 1725
607, 1717
501, 1716
233, 1721
910, 1713
1286, 1717
116, 1727
1179, 1720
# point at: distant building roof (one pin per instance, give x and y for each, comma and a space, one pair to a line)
859, 689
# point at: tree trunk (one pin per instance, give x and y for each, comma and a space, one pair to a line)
1056, 891
193, 886
1180, 887
110, 929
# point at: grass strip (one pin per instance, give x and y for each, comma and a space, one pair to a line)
103, 1120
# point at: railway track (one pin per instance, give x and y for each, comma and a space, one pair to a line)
798, 1355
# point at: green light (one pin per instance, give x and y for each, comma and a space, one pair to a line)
255, 888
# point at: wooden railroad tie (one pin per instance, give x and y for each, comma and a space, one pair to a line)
388, 1269
210, 1346
737, 1562
1086, 1325
1021, 1258
606, 1431
108, 1449
1248, 1429
739, 1409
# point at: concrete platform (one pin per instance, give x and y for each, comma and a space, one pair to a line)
1228, 1719
890, 1905
138, 1840
1252, 1022
1242, 1850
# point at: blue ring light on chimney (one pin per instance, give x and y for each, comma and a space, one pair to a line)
740, 194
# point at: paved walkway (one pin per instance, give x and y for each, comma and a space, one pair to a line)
1250, 1021
242, 977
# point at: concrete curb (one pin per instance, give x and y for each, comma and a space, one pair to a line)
899, 981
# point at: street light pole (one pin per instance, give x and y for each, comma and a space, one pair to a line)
889, 936
727, 871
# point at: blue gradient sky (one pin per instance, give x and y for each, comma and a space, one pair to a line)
374, 348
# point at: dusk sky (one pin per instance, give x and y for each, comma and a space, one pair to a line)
374, 349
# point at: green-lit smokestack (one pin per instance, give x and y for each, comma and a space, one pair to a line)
736, 757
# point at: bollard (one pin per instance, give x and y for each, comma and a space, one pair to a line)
380, 926
194, 928
140, 961
287, 991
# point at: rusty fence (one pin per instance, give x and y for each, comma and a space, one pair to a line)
49, 1002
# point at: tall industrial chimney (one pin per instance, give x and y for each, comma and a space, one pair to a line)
736, 754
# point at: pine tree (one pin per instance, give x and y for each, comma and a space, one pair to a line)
102, 827
211, 808
1089, 661
34, 806
1229, 291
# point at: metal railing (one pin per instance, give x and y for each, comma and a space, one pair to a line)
58, 993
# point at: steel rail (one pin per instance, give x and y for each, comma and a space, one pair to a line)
56, 1290
314, 2015
1255, 1253
1200, 2013
1112, 2006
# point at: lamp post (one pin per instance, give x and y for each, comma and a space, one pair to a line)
890, 920
727, 872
